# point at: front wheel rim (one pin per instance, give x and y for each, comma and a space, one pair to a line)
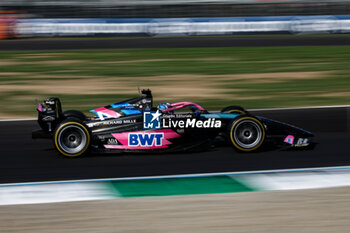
248, 134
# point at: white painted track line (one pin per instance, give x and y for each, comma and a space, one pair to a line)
24, 119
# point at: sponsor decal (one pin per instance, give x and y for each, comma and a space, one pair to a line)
302, 142
289, 139
94, 124
129, 121
111, 122
119, 122
153, 139
112, 141
151, 120
49, 102
145, 139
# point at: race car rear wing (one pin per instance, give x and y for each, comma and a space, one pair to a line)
49, 114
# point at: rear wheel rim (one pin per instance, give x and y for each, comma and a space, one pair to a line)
248, 134
72, 139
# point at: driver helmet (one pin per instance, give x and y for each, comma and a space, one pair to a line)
163, 106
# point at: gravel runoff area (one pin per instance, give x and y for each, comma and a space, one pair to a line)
314, 210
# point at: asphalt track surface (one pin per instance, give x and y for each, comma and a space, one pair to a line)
174, 42
25, 160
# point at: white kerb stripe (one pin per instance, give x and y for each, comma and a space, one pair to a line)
295, 181
52, 193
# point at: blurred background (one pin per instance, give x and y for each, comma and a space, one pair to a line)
249, 76
32, 18
173, 8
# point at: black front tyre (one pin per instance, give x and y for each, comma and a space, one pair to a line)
72, 138
246, 133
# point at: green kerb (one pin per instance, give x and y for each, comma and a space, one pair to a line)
179, 186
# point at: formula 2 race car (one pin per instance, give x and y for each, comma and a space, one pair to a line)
134, 125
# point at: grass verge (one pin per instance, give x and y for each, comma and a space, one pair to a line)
214, 77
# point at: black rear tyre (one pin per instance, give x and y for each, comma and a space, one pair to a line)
74, 113
72, 138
